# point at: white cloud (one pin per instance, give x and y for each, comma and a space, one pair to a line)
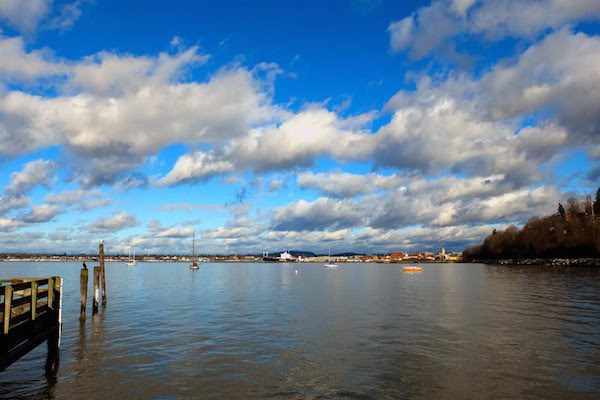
176, 232
67, 15
8, 203
401, 33
297, 142
17, 64
24, 15
432, 27
461, 7
71, 196
41, 213
37, 172
80, 199
118, 221
195, 167
320, 214
9, 224
343, 184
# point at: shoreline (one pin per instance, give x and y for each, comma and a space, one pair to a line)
550, 262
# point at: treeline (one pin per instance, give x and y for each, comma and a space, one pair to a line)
573, 232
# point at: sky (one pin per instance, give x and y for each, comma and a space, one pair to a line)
360, 125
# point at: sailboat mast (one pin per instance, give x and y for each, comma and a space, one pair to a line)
193, 245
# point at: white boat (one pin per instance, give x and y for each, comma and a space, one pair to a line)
194, 265
131, 262
329, 264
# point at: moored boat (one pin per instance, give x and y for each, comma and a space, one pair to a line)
194, 264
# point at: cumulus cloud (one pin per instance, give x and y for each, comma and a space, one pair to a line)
557, 73
126, 108
37, 172
17, 64
9, 224
176, 232
296, 142
433, 26
118, 221
41, 213
445, 201
323, 213
66, 16
80, 199
24, 15
195, 167
8, 203
343, 184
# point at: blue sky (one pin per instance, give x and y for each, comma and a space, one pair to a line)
365, 125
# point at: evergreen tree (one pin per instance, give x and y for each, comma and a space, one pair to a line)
597, 203
561, 211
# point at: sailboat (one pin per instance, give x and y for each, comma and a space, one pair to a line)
329, 263
194, 264
131, 261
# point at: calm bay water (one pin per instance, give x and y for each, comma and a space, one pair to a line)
362, 331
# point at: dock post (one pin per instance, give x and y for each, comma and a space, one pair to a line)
96, 290
8, 295
50, 293
102, 273
83, 285
53, 340
33, 306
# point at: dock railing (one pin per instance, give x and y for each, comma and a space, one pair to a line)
30, 310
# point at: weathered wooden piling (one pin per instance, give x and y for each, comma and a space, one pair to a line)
102, 273
53, 340
96, 289
83, 285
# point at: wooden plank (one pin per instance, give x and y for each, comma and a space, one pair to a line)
20, 301
17, 319
50, 291
34, 291
42, 294
21, 286
7, 306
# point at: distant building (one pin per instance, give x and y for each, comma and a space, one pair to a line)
285, 256
396, 256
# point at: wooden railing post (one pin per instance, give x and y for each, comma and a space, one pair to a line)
83, 284
96, 290
8, 294
34, 291
50, 293
102, 272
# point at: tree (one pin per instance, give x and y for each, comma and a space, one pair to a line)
573, 207
597, 203
561, 211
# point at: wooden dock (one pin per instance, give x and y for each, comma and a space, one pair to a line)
31, 314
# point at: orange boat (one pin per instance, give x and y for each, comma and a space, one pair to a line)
412, 268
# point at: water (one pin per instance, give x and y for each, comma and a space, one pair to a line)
359, 332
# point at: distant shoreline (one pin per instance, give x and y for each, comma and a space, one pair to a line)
558, 262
